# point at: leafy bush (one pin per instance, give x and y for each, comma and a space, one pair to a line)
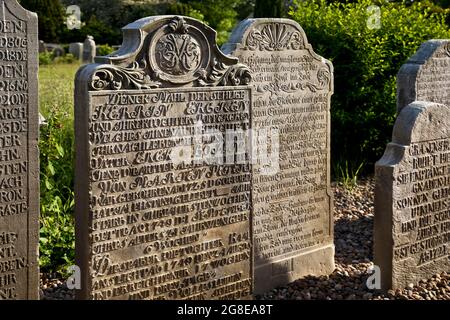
366, 61
67, 58
104, 50
51, 17
45, 58
221, 15
56, 146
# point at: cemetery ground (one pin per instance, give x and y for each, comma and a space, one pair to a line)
353, 214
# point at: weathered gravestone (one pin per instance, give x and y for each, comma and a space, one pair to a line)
19, 172
89, 50
42, 48
76, 49
412, 193
152, 223
293, 223
426, 75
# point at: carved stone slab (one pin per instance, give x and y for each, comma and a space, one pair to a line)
19, 166
293, 224
412, 216
159, 213
426, 75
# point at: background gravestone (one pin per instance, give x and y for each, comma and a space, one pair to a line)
19, 167
76, 49
151, 223
412, 192
426, 75
89, 50
293, 224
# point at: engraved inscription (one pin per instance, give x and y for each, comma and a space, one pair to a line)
425, 208
19, 194
291, 207
163, 229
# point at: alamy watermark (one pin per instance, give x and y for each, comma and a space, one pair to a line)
73, 20
203, 144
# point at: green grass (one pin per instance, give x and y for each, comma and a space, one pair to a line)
57, 232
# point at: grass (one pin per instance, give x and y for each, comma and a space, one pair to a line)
57, 232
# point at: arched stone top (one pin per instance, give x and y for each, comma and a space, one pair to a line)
422, 121
18, 11
424, 77
165, 51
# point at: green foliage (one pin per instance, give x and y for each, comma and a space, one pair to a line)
57, 234
270, 9
347, 173
104, 50
51, 17
45, 58
101, 32
366, 61
221, 15
67, 58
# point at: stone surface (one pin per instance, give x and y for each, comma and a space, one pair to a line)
412, 216
426, 75
76, 49
19, 171
89, 50
292, 200
157, 215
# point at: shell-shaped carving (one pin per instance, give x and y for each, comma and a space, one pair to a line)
275, 37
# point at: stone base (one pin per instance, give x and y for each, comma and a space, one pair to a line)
316, 262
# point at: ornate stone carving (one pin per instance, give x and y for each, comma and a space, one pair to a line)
274, 37
116, 78
276, 87
174, 54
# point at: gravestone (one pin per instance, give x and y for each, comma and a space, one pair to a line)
293, 223
426, 75
55, 49
89, 50
159, 215
42, 48
19, 166
76, 49
412, 217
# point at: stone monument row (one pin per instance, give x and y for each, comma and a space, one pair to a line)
412, 220
19, 166
412, 216
426, 75
292, 198
162, 211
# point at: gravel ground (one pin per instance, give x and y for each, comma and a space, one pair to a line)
353, 215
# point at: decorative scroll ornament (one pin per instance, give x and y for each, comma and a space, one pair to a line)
178, 53
223, 75
275, 37
110, 77
323, 80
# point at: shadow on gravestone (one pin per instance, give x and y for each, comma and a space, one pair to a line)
19, 157
426, 75
293, 224
412, 220
174, 228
